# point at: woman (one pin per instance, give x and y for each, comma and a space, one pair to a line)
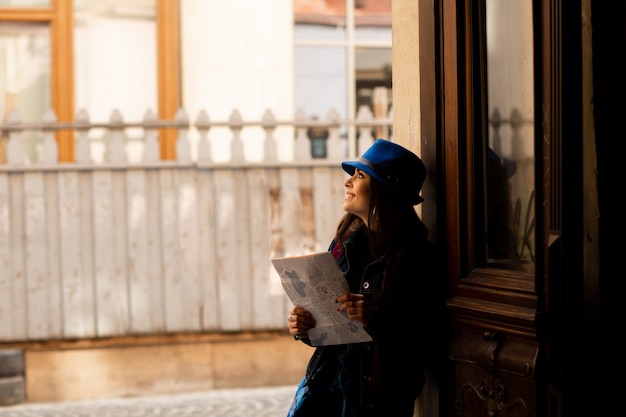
381, 247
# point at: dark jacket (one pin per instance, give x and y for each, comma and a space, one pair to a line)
388, 372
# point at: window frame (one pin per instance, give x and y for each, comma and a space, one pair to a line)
350, 43
452, 111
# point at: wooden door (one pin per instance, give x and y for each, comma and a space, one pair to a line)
491, 95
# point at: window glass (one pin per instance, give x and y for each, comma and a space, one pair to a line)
320, 77
25, 76
317, 32
341, 58
510, 216
373, 69
372, 20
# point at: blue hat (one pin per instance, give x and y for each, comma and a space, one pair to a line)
394, 166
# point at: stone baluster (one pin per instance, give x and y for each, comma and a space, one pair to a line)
49, 151
302, 147
15, 147
335, 149
83, 151
236, 124
151, 142
365, 130
183, 149
117, 147
269, 125
203, 124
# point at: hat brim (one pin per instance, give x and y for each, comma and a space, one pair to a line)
351, 166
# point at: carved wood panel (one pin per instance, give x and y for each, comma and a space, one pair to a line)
494, 374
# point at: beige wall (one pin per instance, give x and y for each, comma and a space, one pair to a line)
152, 366
406, 77
239, 56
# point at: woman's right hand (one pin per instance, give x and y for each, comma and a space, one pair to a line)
299, 322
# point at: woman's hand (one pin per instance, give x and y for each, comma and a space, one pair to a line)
299, 322
356, 307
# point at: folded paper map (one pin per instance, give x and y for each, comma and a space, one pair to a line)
314, 282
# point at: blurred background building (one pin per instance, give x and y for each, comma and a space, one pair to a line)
135, 55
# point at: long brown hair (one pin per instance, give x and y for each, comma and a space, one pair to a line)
393, 223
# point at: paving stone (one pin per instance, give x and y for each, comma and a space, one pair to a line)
258, 402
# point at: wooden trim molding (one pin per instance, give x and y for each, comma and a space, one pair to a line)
62, 56
44, 14
168, 57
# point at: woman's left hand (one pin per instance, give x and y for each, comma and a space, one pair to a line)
356, 307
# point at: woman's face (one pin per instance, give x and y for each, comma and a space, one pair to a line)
357, 199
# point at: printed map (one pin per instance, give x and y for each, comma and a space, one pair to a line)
314, 282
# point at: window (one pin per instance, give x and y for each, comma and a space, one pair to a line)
509, 151
33, 34
65, 46
25, 82
480, 100
342, 52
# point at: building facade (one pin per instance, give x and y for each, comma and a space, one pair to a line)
162, 55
